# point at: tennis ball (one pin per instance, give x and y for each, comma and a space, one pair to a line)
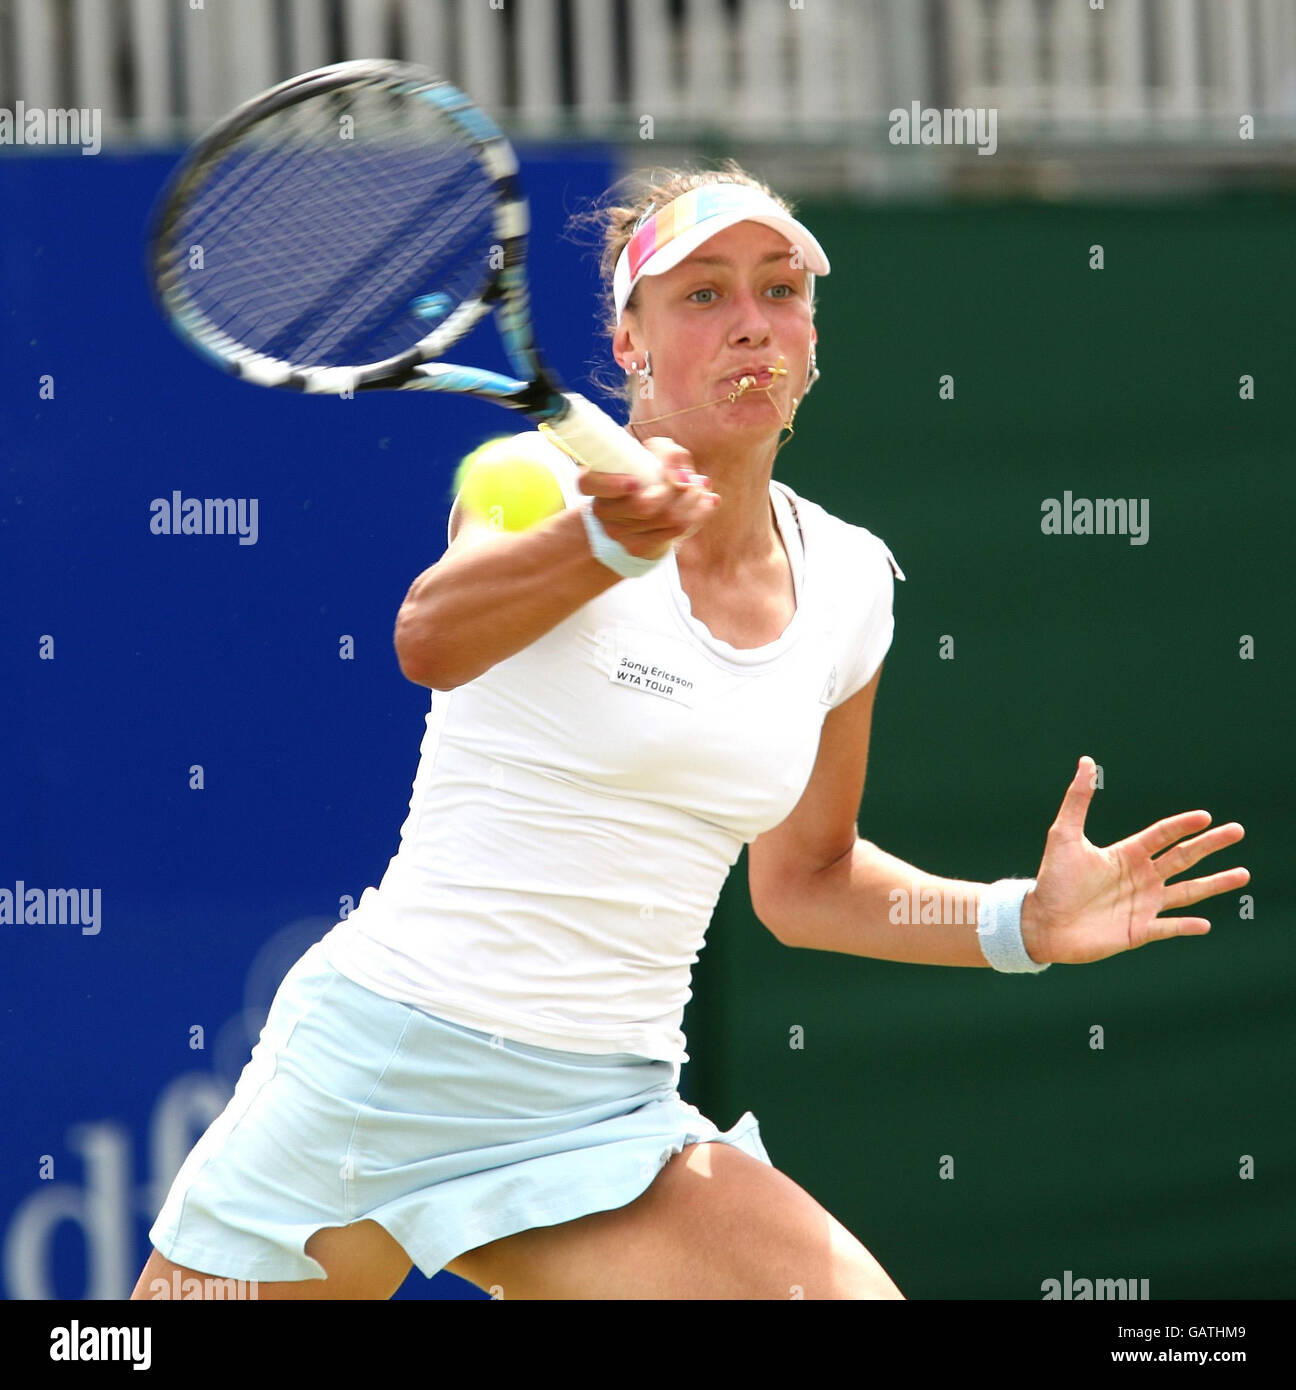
506, 483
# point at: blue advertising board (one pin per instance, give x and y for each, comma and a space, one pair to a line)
207, 744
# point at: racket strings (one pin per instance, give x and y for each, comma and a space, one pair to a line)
316, 246
393, 264
327, 289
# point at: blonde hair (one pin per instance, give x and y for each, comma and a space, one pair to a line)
614, 222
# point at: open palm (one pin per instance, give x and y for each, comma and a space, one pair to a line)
1090, 902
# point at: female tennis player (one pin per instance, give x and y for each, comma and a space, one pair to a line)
477, 1069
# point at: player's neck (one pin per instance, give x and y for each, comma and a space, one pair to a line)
741, 533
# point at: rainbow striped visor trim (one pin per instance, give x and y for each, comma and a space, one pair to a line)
666, 237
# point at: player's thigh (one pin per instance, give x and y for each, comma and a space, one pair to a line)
715, 1223
362, 1260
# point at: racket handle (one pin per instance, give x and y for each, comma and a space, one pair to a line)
593, 438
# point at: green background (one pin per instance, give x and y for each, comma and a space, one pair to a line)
1122, 382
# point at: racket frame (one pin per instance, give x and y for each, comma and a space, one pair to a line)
536, 391
567, 419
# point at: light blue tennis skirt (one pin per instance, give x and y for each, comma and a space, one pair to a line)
353, 1106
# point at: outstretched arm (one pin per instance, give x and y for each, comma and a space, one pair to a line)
815, 884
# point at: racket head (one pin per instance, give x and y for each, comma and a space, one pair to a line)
343, 227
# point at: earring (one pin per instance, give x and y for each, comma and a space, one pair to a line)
812, 375
646, 370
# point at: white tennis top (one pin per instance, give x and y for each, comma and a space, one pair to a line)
577, 808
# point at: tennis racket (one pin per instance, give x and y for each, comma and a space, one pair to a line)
341, 231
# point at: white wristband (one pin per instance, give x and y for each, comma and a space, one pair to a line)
999, 926
612, 553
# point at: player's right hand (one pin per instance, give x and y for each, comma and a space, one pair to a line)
649, 518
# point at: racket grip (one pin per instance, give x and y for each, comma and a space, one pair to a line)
593, 438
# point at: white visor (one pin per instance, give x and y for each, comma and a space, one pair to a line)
665, 238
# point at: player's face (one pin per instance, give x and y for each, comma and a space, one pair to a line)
740, 300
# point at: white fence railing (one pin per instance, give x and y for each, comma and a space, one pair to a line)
785, 70
1147, 66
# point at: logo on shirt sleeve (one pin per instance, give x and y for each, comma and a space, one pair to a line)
830, 688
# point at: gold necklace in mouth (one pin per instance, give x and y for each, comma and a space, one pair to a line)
745, 384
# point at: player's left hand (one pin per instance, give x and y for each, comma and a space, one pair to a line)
1090, 903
